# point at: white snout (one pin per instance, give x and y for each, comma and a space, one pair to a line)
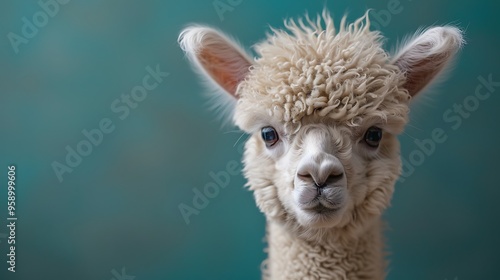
320, 169
320, 184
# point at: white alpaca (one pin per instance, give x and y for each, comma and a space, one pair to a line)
323, 107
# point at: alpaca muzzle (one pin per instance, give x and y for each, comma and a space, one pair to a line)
320, 183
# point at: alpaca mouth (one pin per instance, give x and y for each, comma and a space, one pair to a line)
327, 201
322, 209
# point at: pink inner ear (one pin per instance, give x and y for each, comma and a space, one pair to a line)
227, 71
426, 56
421, 74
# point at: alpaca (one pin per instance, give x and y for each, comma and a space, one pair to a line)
323, 107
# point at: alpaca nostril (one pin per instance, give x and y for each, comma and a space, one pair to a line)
334, 178
320, 171
331, 179
310, 178
305, 176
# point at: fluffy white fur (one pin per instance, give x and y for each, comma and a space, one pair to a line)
321, 185
219, 60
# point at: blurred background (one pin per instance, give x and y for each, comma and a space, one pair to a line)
69, 68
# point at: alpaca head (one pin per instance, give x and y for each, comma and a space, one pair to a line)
323, 107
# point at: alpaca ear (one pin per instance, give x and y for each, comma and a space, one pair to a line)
216, 57
426, 55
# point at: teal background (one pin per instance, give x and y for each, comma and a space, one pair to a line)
119, 207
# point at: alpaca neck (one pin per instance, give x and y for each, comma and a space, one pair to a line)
293, 257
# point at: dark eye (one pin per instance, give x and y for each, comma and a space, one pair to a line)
269, 135
373, 136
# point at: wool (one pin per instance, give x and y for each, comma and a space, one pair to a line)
314, 74
321, 89
316, 69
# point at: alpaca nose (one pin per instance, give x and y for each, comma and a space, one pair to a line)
321, 170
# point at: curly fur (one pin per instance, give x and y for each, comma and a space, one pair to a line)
340, 74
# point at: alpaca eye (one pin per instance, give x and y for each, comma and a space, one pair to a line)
373, 136
269, 135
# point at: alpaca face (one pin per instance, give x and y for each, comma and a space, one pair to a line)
325, 171
324, 125
323, 108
